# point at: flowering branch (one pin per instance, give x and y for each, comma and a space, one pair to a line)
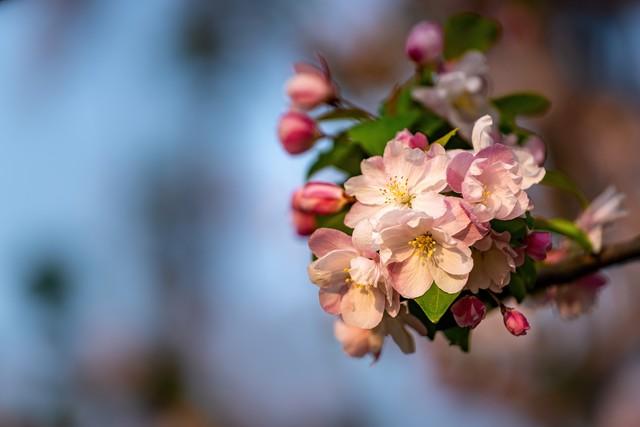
580, 266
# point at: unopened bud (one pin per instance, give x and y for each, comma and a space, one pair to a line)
425, 42
468, 311
297, 132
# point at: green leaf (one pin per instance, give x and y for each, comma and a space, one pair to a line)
566, 228
517, 287
458, 336
517, 228
562, 182
399, 101
445, 139
343, 155
435, 302
469, 31
343, 114
522, 104
374, 135
333, 221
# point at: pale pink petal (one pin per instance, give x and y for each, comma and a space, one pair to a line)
450, 283
453, 260
364, 271
365, 190
481, 136
330, 299
363, 238
359, 212
432, 204
457, 170
362, 307
325, 240
410, 278
329, 269
395, 243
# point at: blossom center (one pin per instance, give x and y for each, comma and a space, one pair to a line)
397, 191
424, 244
349, 280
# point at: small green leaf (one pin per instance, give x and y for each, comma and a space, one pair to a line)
399, 101
445, 139
343, 114
343, 155
469, 31
566, 228
522, 104
335, 221
435, 302
562, 182
458, 336
374, 135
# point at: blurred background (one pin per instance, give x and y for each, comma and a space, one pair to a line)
149, 275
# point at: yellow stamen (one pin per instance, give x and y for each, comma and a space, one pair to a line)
397, 191
424, 244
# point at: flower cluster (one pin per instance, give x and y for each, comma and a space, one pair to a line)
432, 226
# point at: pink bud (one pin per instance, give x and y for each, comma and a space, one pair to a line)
310, 87
319, 198
425, 42
468, 311
418, 140
538, 244
514, 321
304, 223
538, 150
297, 132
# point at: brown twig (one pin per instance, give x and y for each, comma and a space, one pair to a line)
577, 267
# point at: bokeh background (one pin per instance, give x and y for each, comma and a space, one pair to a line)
149, 275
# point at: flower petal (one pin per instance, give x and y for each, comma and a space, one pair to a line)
450, 283
325, 240
410, 278
362, 307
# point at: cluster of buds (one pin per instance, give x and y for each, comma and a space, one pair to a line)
309, 88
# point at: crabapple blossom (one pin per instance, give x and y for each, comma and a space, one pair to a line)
310, 87
425, 42
320, 198
493, 262
515, 322
460, 222
494, 178
358, 342
351, 279
538, 244
403, 178
418, 254
460, 93
468, 311
297, 132
605, 209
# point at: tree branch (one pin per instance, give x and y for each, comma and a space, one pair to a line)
577, 267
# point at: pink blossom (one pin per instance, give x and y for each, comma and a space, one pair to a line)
418, 254
460, 222
403, 178
358, 342
538, 244
493, 262
425, 42
494, 178
320, 198
419, 140
351, 280
604, 210
310, 87
461, 93
578, 297
468, 311
297, 132
515, 322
